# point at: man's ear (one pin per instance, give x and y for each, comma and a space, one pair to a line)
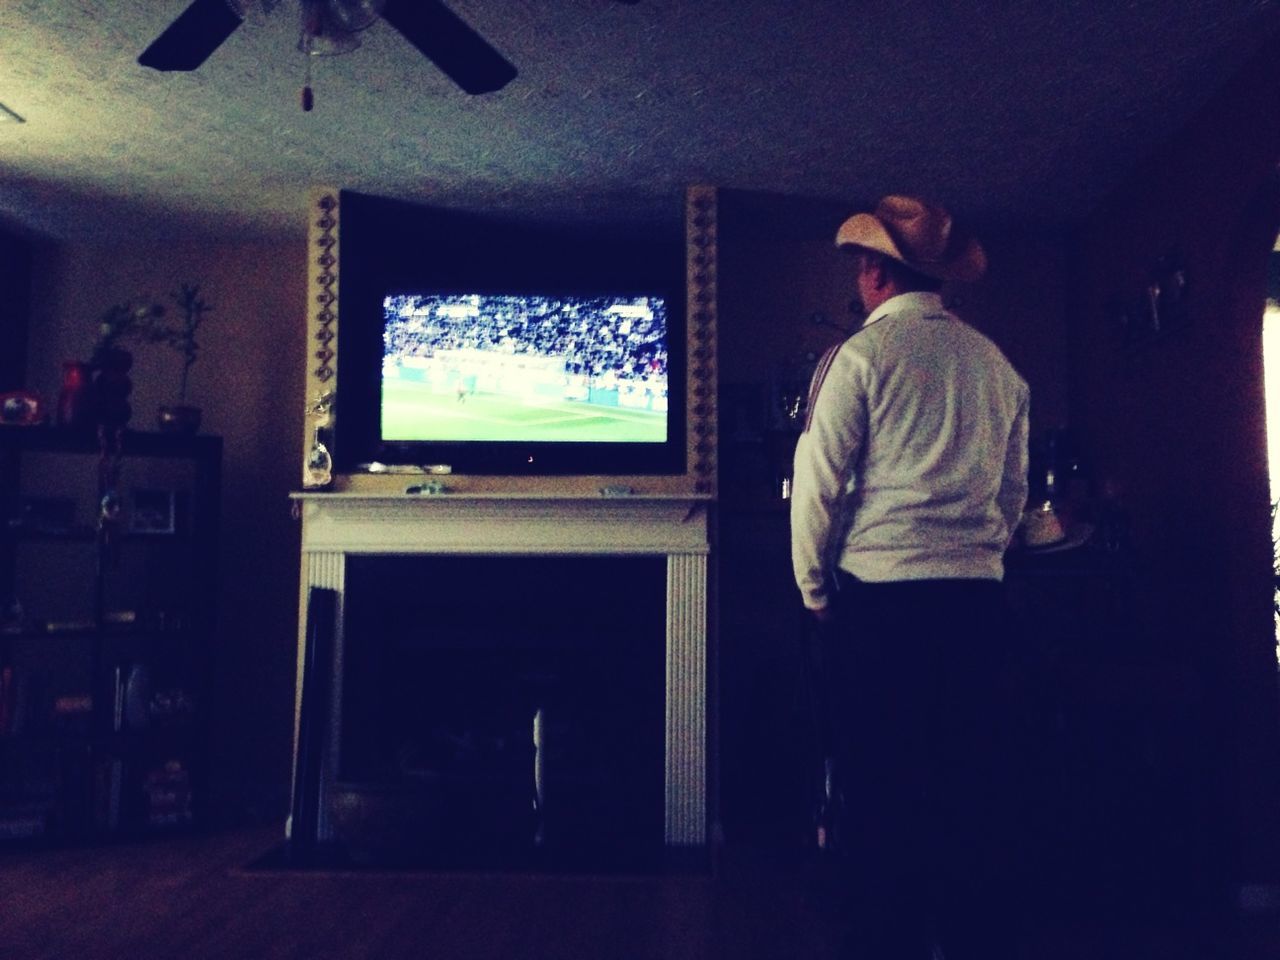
879, 274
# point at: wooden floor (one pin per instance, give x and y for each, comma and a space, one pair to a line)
193, 898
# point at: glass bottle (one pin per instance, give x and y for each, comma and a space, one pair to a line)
830, 810
74, 398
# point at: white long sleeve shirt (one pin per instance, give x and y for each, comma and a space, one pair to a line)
913, 462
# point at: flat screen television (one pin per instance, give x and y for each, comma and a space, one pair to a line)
502, 349
523, 368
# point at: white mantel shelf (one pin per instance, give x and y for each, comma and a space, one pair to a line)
336, 525
538, 524
497, 495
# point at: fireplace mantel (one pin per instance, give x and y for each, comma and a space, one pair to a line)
512, 524
352, 514
675, 526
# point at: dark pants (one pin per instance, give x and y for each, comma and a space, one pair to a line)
922, 732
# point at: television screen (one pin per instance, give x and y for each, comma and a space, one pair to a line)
463, 367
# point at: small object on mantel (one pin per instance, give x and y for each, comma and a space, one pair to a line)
617, 490
430, 488
403, 468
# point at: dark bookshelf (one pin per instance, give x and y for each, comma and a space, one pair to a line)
106, 632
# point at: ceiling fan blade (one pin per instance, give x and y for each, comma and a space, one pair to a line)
187, 42
450, 44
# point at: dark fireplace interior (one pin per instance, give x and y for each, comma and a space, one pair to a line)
502, 710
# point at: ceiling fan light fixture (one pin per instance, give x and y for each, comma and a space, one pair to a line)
323, 33
352, 14
327, 44
332, 27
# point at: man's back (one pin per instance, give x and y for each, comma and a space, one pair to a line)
935, 418
941, 406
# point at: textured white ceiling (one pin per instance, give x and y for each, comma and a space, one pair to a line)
1007, 110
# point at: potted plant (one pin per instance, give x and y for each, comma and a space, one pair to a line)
182, 417
111, 362
147, 322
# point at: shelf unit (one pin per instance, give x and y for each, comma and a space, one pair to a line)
108, 559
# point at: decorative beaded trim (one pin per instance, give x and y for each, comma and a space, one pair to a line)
324, 246
701, 261
322, 331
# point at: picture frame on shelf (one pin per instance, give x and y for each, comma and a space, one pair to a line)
152, 512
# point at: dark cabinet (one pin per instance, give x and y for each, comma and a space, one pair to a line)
108, 555
770, 742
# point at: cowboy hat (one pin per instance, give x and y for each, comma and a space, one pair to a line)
918, 234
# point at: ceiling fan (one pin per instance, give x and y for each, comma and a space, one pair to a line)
330, 26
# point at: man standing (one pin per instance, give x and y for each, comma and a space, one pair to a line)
910, 479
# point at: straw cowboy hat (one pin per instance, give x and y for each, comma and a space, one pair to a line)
918, 234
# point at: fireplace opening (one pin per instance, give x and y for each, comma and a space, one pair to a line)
502, 709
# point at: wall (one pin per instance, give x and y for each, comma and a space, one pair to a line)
248, 380
1176, 430
15, 302
780, 265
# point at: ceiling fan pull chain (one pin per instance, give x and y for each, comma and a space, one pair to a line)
308, 99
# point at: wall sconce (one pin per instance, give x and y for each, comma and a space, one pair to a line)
1160, 308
